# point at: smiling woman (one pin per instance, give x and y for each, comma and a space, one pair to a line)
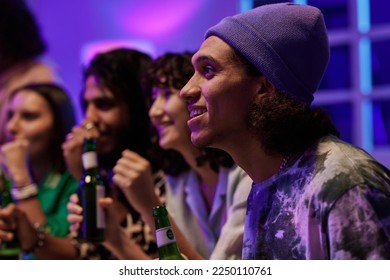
38, 118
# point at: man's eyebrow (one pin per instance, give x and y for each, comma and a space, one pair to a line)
205, 58
100, 99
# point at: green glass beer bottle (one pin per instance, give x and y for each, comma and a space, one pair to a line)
166, 242
9, 250
90, 190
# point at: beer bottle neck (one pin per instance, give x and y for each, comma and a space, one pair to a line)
166, 242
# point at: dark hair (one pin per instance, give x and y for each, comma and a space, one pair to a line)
121, 71
63, 115
286, 126
178, 70
239, 60
282, 124
20, 37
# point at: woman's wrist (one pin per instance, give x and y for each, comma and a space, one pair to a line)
20, 178
25, 192
39, 240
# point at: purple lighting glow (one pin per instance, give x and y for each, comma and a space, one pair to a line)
155, 18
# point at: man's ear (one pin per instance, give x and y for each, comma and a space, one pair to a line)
265, 86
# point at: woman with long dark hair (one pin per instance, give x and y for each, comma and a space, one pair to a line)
38, 118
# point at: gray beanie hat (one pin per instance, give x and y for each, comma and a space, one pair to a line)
286, 42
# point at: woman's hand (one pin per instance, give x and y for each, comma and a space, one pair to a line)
14, 157
12, 220
75, 218
133, 175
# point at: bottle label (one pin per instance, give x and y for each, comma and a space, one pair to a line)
164, 236
100, 216
89, 160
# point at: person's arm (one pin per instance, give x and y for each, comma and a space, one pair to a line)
357, 225
125, 248
116, 239
132, 174
15, 157
43, 245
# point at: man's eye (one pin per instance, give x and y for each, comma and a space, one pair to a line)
104, 105
208, 71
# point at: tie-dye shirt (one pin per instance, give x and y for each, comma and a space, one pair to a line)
332, 203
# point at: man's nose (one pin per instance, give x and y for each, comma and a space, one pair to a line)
91, 113
191, 91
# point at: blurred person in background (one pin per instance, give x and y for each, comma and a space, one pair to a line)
22, 51
205, 191
114, 100
38, 118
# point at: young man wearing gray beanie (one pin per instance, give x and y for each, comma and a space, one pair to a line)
314, 196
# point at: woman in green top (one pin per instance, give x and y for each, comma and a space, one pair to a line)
38, 118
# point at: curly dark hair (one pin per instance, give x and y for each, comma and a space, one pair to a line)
121, 71
178, 70
282, 124
286, 126
20, 37
63, 114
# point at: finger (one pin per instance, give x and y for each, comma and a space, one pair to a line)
74, 228
9, 211
134, 163
6, 235
122, 169
69, 136
91, 128
74, 208
132, 155
121, 181
106, 202
7, 225
126, 173
70, 145
78, 132
74, 198
74, 219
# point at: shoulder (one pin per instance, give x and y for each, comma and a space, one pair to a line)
239, 183
334, 168
345, 165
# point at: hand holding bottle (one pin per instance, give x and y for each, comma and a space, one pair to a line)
75, 218
7, 224
91, 189
13, 220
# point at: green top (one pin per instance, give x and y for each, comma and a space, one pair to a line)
53, 194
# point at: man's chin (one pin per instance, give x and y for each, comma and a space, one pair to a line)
199, 142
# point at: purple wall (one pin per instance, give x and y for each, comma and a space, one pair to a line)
171, 25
